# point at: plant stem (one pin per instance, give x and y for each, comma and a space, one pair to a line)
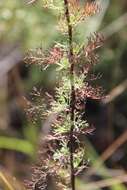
72, 98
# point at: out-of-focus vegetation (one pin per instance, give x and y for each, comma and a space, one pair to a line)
31, 26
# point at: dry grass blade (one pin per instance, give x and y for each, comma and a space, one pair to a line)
32, 2
117, 91
6, 182
114, 146
106, 183
108, 152
9, 182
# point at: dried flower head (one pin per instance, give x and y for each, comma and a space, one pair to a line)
94, 42
44, 59
78, 12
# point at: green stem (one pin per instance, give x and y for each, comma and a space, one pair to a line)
72, 98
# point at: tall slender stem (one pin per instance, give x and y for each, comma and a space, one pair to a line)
72, 101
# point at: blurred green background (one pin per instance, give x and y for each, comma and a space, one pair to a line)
23, 27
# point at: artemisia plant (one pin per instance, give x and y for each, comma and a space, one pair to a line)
62, 152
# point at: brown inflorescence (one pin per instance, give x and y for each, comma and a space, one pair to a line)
84, 10
44, 58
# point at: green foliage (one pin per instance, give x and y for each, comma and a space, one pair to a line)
18, 22
20, 145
